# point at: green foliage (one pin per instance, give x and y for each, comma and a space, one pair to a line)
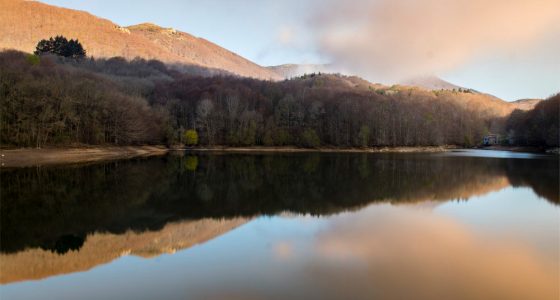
363, 136
33, 59
282, 137
310, 139
191, 137
61, 46
248, 134
268, 139
468, 140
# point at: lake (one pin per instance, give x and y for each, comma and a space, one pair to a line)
460, 225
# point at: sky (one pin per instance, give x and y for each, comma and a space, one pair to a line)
508, 48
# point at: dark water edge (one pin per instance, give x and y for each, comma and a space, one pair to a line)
55, 208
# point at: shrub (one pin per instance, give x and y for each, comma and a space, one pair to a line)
310, 139
33, 59
191, 137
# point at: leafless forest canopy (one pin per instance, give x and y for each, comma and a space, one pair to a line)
51, 101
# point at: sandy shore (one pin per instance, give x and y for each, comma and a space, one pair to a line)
327, 150
28, 157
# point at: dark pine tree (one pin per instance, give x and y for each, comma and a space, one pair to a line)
74, 49
61, 46
44, 46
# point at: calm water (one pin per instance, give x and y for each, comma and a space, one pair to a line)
462, 225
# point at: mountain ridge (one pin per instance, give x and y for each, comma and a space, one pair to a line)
24, 23
432, 82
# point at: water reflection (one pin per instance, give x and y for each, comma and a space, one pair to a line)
394, 253
67, 219
100, 248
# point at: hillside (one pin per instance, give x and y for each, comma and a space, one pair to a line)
24, 23
431, 83
484, 104
472, 97
526, 104
435, 83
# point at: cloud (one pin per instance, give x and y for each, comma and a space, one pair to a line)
286, 35
395, 39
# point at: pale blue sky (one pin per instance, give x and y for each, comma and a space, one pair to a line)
276, 32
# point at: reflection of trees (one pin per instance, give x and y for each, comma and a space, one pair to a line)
542, 176
191, 163
40, 206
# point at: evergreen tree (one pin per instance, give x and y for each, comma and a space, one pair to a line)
61, 46
74, 49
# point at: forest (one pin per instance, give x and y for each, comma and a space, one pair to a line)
539, 126
55, 101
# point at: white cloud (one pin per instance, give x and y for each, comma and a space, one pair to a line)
394, 39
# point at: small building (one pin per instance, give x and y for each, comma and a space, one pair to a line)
491, 139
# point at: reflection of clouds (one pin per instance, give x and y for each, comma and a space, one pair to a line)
283, 250
405, 254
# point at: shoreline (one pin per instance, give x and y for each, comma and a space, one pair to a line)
290, 149
31, 157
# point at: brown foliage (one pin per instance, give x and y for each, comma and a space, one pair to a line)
537, 127
60, 101
48, 103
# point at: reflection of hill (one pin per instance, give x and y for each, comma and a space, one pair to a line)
101, 248
56, 208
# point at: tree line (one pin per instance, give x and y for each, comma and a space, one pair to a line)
52, 100
48, 103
